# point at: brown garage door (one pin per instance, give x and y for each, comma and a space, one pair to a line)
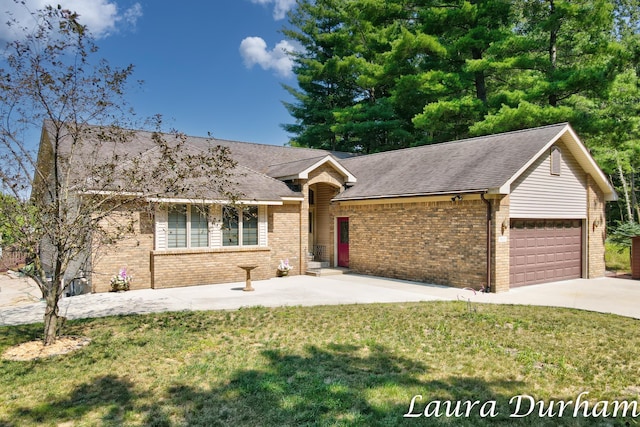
544, 251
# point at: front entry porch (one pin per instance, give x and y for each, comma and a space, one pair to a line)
322, 239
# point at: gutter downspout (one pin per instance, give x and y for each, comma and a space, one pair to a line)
489, 215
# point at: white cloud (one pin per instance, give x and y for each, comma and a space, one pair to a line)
254, 52
132, 14
280, 8
102, 17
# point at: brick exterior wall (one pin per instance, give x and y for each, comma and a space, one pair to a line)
208, 266
596, 230
175, 268
131, 252
500, 245
285, 239
434, 242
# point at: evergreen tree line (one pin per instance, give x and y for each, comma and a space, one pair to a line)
378, 75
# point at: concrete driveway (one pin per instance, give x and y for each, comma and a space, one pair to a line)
606, 295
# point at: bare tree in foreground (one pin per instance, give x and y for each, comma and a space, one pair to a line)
89, 168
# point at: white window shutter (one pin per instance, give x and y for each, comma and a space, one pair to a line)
162, 227
262, 226
215, 226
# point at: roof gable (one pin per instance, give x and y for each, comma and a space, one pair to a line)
579, 151
300, 169
483, 164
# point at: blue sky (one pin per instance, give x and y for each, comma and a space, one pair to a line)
208, 66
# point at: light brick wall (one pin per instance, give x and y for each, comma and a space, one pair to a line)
434, 242
208, 266
131, 252
303, 211
175, 268
285, 239
500, 245
596, 230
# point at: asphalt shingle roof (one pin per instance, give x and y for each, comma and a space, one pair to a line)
249, 177
468, 165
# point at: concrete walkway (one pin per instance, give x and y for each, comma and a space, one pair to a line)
606, 295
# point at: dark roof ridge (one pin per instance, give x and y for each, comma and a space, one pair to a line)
261, 144
458, 141
306, 159
204, 138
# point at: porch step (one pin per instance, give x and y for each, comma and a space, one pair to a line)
314, 265
327, 271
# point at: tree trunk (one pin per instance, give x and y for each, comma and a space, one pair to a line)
51, 318
634, 198
625, 189
481, 86
52, 294
553, 52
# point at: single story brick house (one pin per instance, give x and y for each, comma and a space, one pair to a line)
494, 212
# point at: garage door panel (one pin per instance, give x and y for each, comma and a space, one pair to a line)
545, 251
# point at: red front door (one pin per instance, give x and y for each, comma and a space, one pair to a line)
343, 242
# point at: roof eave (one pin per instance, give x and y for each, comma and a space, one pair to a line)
192, 200
407, 195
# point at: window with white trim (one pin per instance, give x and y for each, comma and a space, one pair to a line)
187, 227
240, 226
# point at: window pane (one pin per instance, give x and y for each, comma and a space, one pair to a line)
250, 226
177, 227
229, 227
199, 228
344, 231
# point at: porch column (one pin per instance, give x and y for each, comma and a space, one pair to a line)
500, 241
304, 227
596, 231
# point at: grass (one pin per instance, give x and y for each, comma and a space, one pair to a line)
357, 365
617, 258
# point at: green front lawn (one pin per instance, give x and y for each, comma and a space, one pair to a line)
340, 365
